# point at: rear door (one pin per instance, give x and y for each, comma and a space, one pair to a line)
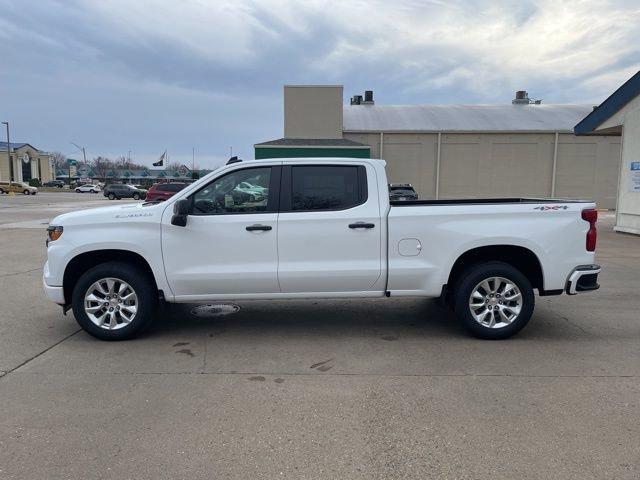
329, 228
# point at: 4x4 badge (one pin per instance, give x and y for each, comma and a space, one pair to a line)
551, 207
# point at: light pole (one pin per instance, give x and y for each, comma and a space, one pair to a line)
84, 155
9, 154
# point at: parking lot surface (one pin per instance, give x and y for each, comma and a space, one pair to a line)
388, 388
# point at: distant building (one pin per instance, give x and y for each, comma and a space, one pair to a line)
523, 148
27, 162
619, 114
133, 176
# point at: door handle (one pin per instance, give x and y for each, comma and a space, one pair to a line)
254, 228
361, 225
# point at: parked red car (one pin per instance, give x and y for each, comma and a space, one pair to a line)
162, 191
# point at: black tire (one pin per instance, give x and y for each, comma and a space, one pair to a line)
111, 196
26, 192
2, 191
136, 196
78, 190
138, 280
467, 283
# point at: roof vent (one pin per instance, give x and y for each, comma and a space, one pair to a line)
522, 98
359, 100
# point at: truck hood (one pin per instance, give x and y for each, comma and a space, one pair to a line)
108, 214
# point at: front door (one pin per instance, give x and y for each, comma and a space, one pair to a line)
229, 245
329, 229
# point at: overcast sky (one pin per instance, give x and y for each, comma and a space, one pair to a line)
120, 75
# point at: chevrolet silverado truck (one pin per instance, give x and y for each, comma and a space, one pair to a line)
317, 228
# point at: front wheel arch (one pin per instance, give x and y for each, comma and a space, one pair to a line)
87, 260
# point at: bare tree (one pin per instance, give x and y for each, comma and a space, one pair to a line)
174, 166
126, 164
101, 167
58, 159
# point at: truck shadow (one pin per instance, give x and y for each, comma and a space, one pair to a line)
387, 319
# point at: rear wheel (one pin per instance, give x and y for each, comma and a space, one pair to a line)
136, 196
25, 192
2, 191
114, 301
78, 190
112, 196
494, 300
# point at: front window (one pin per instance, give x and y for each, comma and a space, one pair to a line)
241, 191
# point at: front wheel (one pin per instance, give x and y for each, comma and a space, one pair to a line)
78, 190
112, 196
136, 196
494, 300
114, 301
26, 192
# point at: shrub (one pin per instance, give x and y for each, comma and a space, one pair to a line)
34, 182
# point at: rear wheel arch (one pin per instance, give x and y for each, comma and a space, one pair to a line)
521, 258
87, 260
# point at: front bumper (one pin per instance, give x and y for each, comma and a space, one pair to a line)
583, 279
55, 294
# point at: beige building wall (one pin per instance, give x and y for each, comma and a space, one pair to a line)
312, 111
588, 168
501, 165
39, 164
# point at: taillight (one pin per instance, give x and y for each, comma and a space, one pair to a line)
591, 216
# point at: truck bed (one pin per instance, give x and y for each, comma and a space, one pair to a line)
483, 201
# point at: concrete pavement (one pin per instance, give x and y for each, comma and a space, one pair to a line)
322, 389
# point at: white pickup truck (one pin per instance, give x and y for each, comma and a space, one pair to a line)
317, 228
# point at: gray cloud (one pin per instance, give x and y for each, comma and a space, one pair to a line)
145, 76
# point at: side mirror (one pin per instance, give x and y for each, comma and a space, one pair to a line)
180, 212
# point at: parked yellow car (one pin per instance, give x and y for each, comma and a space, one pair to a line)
17, 187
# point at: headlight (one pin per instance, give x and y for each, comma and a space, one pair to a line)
53, 233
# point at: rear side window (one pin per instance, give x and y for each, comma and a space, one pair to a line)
327, 187
175, 187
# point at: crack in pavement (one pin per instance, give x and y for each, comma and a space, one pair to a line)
20, 273
390, 375
6, 373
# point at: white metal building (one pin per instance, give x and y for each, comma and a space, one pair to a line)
463, 151
467, 151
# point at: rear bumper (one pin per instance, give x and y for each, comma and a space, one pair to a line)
583, 279
55, 294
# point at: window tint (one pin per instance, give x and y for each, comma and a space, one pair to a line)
327, 187
162, 188
175, 187
241, 191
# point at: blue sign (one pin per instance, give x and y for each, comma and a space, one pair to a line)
635, 165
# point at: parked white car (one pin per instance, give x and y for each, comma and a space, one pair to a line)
88, 188
325, 227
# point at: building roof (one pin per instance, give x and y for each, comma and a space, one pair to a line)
618, 99
15, 146
463, 118
312, 142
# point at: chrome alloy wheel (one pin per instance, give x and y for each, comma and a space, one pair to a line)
495, 302
110, 303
